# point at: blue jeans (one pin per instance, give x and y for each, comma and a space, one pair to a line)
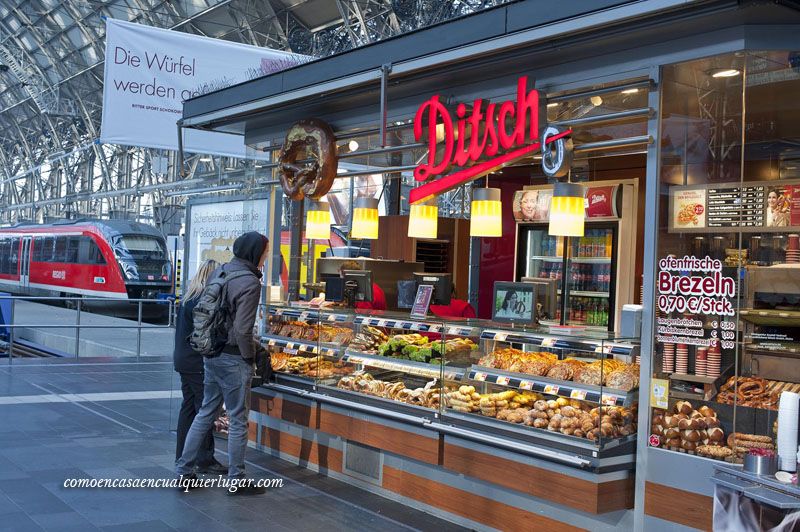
227, 377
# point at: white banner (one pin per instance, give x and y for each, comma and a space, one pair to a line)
149, 72
214, 226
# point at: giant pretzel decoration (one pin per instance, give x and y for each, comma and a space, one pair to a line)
308, 139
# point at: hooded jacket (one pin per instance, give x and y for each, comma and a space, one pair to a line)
244, 293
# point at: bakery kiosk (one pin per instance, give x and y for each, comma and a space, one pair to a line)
689, 109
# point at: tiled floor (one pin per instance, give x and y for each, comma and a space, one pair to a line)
63, 419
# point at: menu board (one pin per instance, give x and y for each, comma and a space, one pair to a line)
734, 207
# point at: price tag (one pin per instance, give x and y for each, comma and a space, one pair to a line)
331, 317
279, 312
525, 385
272, 343
355, 360
289, 345
303, 316
577, 394
609, 400
548, 342
603, 349
502, 380
551, 389
500, 337
480, 376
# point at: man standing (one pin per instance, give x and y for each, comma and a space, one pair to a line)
228, 375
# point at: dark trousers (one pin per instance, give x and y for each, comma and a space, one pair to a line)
192, 388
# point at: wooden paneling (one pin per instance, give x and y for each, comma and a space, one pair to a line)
563, 489
389, 439
465, 504
285, 410
679, 506
306, 450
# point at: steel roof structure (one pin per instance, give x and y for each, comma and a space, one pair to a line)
51, 78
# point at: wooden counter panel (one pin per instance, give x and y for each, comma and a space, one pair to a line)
389, 439
285, 410
305, 450
459, 502
679, 506
563, 489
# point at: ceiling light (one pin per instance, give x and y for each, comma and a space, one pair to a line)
630, 91
551, 105
353, 145
423, 221
486, 213
567, 210
724, 72
597, 101
318, 221
365, 219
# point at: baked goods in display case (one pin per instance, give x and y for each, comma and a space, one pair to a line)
465, 374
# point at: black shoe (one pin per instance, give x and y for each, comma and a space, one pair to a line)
248, 490
188, 482
214, 468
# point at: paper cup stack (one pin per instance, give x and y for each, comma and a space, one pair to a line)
682, 359
788, 412
700, 360
793, 249
714, 361
668, 358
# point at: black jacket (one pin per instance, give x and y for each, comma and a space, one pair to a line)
186, 359
243, 295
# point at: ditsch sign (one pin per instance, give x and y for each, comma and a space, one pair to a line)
482, 133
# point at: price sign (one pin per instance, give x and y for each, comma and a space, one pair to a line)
655, 441
548, 342
525, 385
578, 394
502, 380
289, 345
500, 337
272, 343
279, 312
331, 317
480, 376
355, 360
609, 400
551, 389
303, 316
602, 349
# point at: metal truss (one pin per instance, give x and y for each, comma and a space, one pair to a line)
51, 80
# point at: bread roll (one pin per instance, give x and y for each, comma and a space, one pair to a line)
707, 411
691, 435
715, 434
683, 407
674, 442
689, 445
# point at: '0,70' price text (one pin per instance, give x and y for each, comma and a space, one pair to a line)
695, 304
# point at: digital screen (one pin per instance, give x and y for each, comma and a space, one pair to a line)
514, 302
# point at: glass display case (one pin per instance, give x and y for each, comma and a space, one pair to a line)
523, 386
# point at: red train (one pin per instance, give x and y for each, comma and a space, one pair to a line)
113, 259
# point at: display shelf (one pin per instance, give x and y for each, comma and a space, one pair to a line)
555, 342
775, 318
590, 260
547, 258
410, 367
300, 346
587, 293
570, 390
417, 325
304, 314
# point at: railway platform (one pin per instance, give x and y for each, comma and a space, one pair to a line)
114, 418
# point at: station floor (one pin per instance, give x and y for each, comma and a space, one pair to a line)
104, 418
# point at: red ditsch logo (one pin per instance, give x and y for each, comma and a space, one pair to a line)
476, 134
655, 441
698, 209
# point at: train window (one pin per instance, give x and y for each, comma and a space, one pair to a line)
89, 253
38, 243
13, 258
139, 245
73, 243
47, 249
5, 249
60, 249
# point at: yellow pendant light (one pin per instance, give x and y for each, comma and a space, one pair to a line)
423, 222
567, 211
318, 221
486, 213
365, 219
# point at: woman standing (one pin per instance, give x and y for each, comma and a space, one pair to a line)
189, 364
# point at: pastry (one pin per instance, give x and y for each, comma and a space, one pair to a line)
714, 451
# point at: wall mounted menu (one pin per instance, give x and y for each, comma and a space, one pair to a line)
730, 207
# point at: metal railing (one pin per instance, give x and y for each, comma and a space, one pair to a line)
78, 304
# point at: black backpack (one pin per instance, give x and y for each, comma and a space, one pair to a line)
210, 315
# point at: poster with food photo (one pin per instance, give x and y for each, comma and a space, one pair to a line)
689, 209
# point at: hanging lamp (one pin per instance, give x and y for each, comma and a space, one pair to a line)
567, 210
486, 213
318, 221
423, 221
365, 219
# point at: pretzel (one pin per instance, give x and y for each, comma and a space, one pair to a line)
751, 388
308, 139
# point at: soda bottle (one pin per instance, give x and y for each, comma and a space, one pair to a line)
608, 244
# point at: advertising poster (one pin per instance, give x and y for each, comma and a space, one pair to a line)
778, 207
688, 209
149, 72
532, 205
213, 227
